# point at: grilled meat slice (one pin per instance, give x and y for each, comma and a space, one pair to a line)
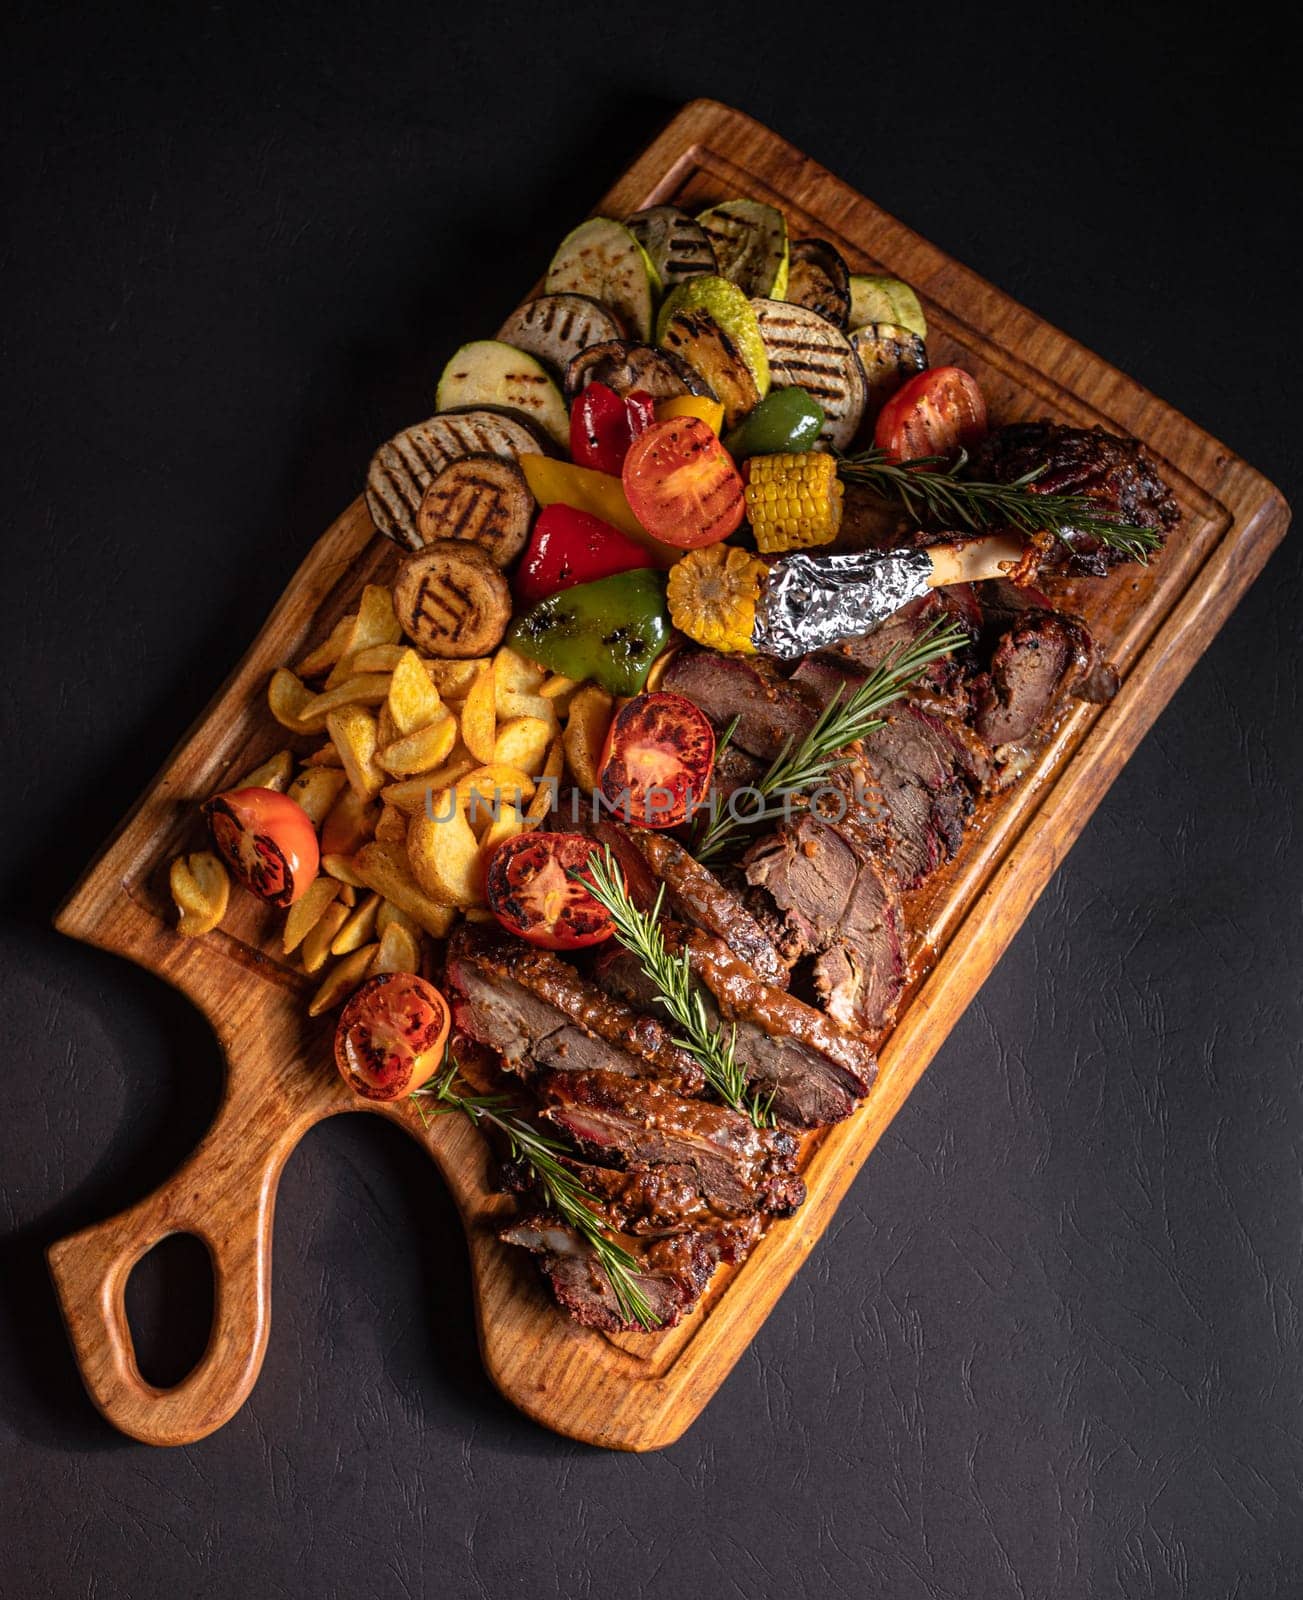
1043, 658
537, 1012
740, 1168
769, 708
644, 1201
1115, 470
734, 770
943, 685
698, 897
842, 904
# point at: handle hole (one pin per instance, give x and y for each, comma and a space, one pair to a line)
169, 1302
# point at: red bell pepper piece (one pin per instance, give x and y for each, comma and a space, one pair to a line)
603, 426
569, 547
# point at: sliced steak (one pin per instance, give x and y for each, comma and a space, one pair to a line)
697, 896
769, 709
647, 1202
927, 791
943, 684
537, 1012
740, 1168
1042, 659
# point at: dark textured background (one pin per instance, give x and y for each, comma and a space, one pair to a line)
1051, 1345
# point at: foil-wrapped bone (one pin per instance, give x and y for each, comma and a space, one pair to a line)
813, 601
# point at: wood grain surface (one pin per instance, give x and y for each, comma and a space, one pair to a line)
632, 1392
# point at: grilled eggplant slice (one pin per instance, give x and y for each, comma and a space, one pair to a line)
886, 300
820, 280
402, 468
451, 600
556, 327
487, 372
483, 500
699, 340
750, 244
890, 356
805, 350
602, 258
624, 366
678, 246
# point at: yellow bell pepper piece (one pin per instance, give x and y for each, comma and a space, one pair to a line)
711, 412
554, 482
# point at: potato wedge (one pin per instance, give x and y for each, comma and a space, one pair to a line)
512, 672
375, 658
375, 623
506, 825
320, 937
421, 751
342, 979
360, 927
549, 780
523, 742
327, 756
286, 699
515, 703
366, 689
479, 717
586, 729
398, 951
495, 783
556, 685
391, 826
411, 794
353, 733
307, 911
388, 913
341, 869
386, 869
453, 678
445, 854
201, 889
328, 652
414, 701
316, 789
348, 825
274, 773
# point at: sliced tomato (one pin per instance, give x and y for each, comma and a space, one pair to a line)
531, 893
658, 759
268, 841
938, 413
681, 484
391, 1036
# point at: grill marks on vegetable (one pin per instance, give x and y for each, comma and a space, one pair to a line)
807, 351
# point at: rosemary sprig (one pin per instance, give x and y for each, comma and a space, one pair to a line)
565, 1194
803, 766
940, 493
676, 989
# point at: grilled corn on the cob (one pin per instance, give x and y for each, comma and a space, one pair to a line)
713, 593
794, 501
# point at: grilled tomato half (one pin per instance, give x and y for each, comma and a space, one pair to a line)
268, 842
938, 413
681, 484
658, 759
531, 893
391, 1035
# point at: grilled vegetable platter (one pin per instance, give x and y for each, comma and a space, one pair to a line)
633, 787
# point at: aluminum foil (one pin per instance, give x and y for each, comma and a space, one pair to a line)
813, 601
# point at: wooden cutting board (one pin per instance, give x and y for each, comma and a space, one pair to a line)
629, 1392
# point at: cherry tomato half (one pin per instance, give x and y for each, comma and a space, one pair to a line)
681, 484
531, 893
604, 424
391, 1035
268, 841
938, 413
658, 759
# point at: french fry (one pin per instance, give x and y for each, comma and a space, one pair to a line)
366, 689
523, 742
286, 699
413, 699
359, 929
201, 888
512, 672
391, 826
375, 623
341, 869
376, 658
422, 751
388, 913
445, 854
353, 733
479, 717
386, 869
316, 789
585, 735
328, 652
320, 937
306, 911
274, 773
398, 951
342, 979
453, 679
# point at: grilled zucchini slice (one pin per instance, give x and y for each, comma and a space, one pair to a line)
890, 356
821, 281
886, 300
556, 327
483, 500
750, 243
624, 367
731, 309
698, 339
805, 350
487, 372
678, 246
602, 258
402, 468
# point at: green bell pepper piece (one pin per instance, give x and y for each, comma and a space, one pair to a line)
785, 420
611, 630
